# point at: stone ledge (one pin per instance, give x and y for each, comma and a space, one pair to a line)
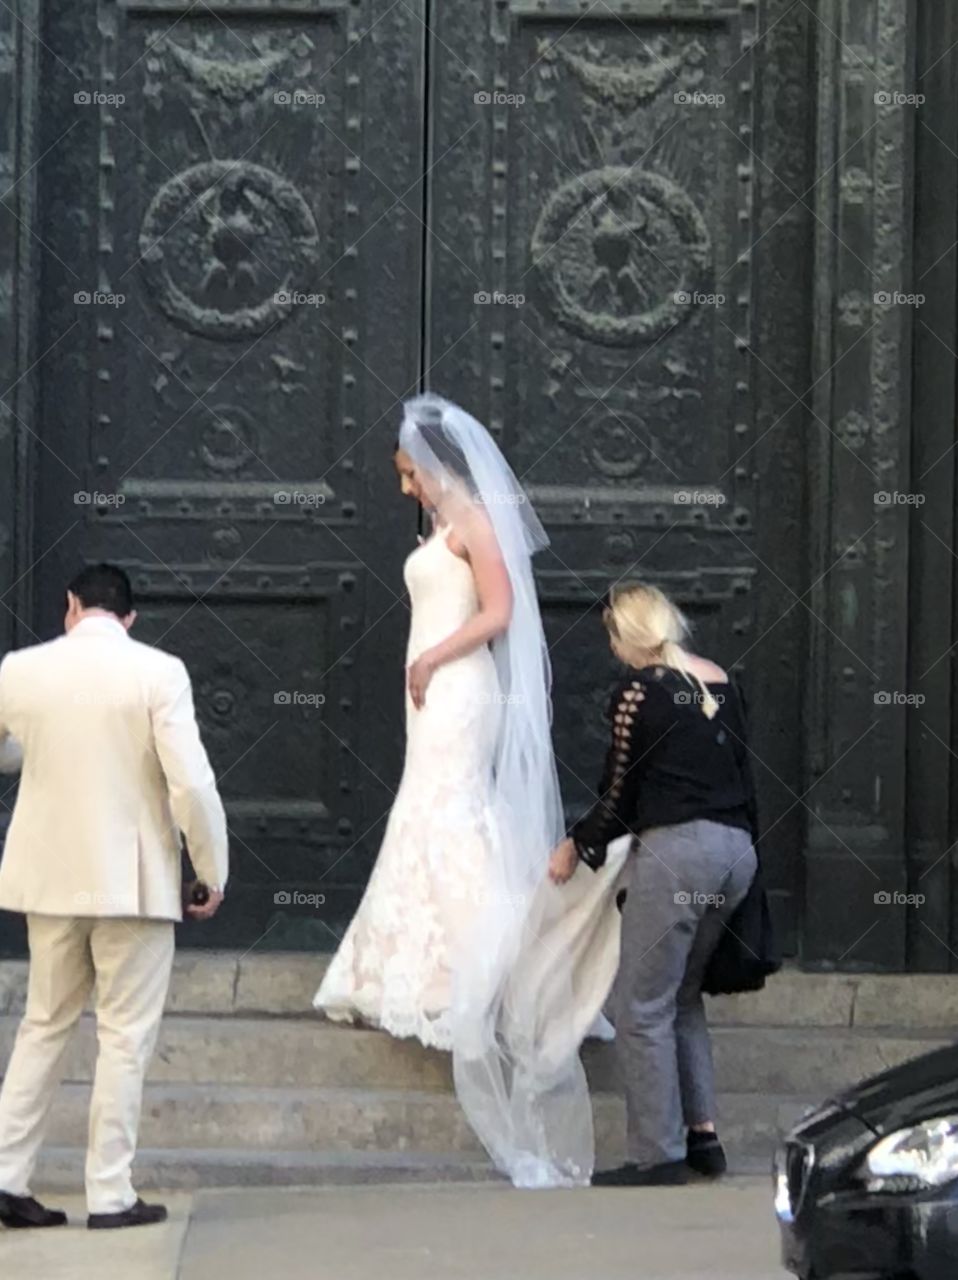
226, 983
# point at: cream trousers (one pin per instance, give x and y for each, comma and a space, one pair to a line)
129, 962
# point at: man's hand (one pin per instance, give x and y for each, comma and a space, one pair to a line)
564, 860
209, 908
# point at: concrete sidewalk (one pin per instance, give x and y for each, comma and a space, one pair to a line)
405, 1232
73, 1253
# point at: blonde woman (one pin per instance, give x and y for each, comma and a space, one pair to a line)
677, 778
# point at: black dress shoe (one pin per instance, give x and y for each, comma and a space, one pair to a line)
674, 1173
705, 1154
138, 1215
17, 1212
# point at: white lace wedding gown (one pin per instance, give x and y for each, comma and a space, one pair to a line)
394, 967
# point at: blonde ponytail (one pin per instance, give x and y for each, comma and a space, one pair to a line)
645, 619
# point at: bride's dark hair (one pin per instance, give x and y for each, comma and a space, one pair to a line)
428, 417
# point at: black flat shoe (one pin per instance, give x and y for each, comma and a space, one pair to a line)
674, 1173
705, 1154
19, 1212
138, 1215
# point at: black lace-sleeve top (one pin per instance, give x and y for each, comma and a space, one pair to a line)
668, 762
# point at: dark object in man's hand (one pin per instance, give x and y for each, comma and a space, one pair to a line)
199, 894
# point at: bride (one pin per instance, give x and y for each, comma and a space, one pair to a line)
461, 940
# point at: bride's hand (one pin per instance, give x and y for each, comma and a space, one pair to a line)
419, 674
564, 860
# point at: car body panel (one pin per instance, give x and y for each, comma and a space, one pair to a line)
833, 1226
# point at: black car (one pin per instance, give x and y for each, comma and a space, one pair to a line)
866, 1187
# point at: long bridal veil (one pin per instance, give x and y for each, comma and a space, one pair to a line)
532, 970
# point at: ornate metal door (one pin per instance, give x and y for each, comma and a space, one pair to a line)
240, 210
229, 312
616, 288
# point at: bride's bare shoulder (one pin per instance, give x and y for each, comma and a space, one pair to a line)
472, 533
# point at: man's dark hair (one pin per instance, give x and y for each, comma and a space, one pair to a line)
103, 586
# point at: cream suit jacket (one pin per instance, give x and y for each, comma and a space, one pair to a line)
113, 769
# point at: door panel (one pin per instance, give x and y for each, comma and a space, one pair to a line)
224, 428
613, 272
592, 297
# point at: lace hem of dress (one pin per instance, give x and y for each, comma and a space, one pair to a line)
431, 1032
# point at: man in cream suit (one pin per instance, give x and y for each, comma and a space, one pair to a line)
113, 770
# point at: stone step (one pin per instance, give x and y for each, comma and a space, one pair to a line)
60, 1169
185, 1169
335, 1122
229, 983
311, 1053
